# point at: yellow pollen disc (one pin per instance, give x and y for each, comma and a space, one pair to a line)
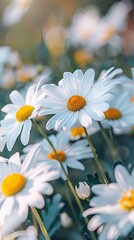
62, 156
82, 57
24, 113
127, 200
113, 114
110, 32
23, 77
75, 103
13, 184
77, 131
132, 99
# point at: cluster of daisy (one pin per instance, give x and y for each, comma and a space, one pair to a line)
91, 35
79, 104
14, 73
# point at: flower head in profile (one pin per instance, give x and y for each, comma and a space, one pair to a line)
23, 184
113, 206
121, 111
78, 99
18, 118
69, 154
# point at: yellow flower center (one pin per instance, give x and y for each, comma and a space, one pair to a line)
24, 113
113, 114
82, 57
132, 99
23, 76
110, 32
13, 184
77, 131
61, 154
127, 200
75, 103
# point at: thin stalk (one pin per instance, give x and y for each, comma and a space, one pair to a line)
111, 135
41, 224
68, 179
104, 177
57, 156
71, 205
114, 152
40, 130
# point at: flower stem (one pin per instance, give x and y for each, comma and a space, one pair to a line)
41, 224
57, 156
96, 157
68, 179
114, 152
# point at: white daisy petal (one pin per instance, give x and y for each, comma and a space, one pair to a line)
122, 177
17, 98
25, 135
88, 80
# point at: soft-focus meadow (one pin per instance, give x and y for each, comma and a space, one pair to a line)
66, 120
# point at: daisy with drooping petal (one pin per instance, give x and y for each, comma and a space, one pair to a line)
78, 99
121, 111
18, 118
69, 155
113, 206
22, 184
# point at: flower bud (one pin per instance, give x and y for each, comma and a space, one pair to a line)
83, 191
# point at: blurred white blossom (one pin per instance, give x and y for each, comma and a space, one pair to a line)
15, 11
66, 221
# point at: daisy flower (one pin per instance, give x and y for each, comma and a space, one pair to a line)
26, 73
110, 26
78, 98
83, 25
113, 206
121, 112
22, 184
69, 154
18, 118
77, 131
15, 11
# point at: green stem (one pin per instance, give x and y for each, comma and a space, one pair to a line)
41, 224
114, 152
68, 179
111, 135
57, 156
71, 205
104, 177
